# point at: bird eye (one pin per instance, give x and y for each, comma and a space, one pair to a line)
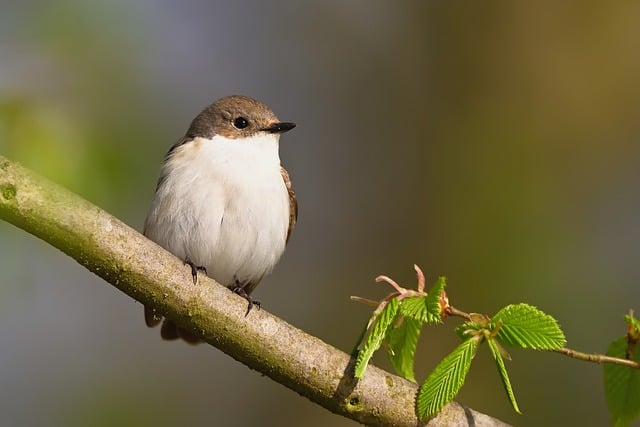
240, 122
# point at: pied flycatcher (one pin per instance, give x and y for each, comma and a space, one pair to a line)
223, 203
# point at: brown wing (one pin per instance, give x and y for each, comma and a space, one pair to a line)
293, 202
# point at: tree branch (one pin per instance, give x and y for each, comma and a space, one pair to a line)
598, 358
149, 274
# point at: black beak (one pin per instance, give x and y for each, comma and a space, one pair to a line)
280, 127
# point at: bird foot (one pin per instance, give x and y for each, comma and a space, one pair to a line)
240, 291
194, 269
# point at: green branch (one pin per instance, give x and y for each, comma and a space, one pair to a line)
147, 273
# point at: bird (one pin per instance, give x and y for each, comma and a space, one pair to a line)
224, 204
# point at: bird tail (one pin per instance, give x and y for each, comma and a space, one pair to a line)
169, 331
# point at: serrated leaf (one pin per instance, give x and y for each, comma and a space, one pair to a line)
502, 370
403, 340
359, 343
434, 309
414, 308
447, 378
466, 329
524, 326
622, 386
377, 329
426, 309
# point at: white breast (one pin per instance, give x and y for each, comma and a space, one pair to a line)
224, 205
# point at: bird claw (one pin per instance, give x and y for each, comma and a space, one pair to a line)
239, 290
194, 269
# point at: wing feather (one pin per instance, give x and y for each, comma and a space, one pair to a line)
293, 202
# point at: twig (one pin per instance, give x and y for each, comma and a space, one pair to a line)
598, 358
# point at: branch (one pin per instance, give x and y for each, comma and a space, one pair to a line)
598, 358
153, 276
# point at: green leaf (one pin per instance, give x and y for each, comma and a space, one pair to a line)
502, 370
622, 386
359, 342
468, 329
425, 309
414, 308
434, 309
380, 321
447, 378
524, 326
402, 340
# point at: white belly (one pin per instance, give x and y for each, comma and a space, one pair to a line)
224, 205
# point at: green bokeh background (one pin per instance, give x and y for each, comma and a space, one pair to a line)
495, 143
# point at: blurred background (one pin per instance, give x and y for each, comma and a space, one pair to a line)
496, 144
